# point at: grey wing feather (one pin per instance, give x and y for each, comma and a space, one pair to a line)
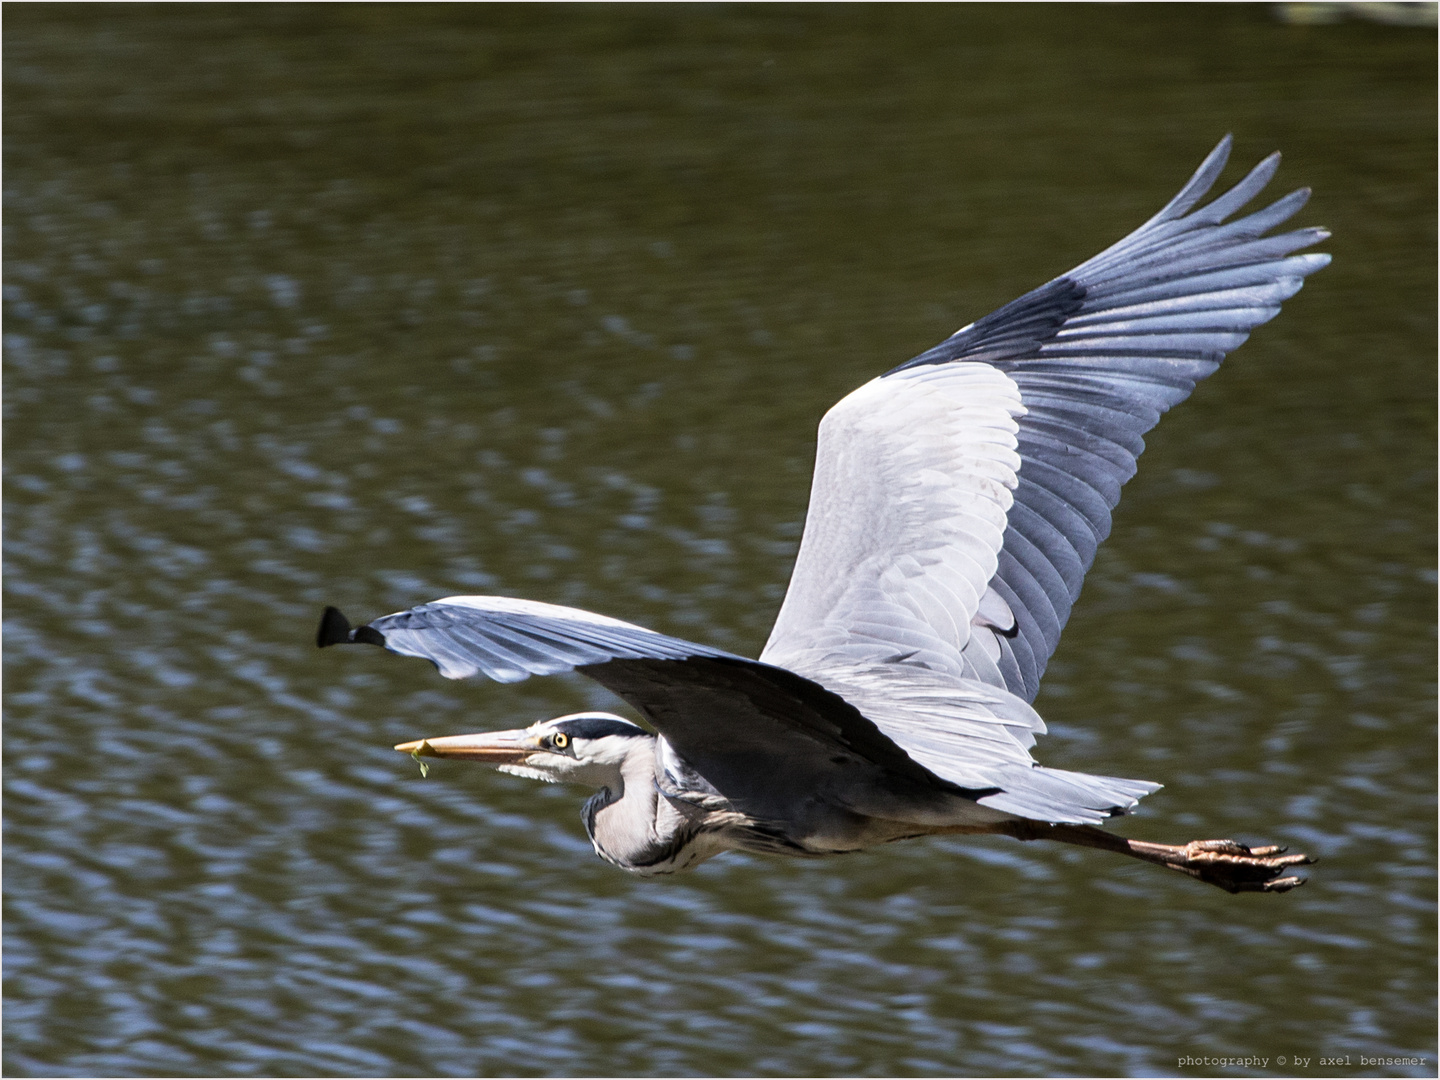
913, 482
1062, 797
1099, 355
976, 736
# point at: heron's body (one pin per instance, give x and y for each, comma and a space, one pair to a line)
957, 503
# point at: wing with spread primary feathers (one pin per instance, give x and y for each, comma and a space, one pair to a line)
959, 499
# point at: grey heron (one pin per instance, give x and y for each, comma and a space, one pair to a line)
957, 503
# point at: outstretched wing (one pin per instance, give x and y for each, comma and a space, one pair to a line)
736, 720
881, 741
1086, 364
508, 640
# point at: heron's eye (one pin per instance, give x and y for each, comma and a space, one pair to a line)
560, 740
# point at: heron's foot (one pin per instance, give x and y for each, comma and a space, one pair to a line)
1230, 865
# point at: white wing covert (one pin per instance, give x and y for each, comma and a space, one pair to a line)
913, 478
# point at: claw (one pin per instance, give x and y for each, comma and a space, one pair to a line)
1284, 884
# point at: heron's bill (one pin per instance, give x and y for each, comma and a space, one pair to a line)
494, 747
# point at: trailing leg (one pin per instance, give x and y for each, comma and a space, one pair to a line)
1224, 863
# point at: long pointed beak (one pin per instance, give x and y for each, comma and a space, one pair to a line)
492, 747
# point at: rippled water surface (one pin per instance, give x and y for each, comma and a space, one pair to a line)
370, 305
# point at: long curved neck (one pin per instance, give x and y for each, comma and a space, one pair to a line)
632, 825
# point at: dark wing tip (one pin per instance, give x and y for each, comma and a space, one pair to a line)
368, 635
334, 628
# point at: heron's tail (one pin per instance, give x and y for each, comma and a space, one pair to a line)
1060, 797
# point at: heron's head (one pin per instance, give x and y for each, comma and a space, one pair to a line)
582, 748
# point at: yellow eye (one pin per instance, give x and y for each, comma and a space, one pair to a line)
561, 740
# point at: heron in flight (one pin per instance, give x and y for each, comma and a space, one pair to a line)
957, 503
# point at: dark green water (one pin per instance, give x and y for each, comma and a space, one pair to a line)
370, 305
